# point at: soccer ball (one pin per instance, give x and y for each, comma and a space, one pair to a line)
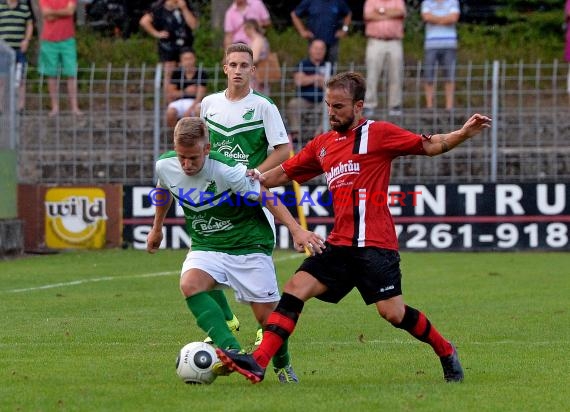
194, 363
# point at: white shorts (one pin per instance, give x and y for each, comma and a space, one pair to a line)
181, 105
252, 277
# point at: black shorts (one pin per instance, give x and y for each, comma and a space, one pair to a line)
168, 54
373, 271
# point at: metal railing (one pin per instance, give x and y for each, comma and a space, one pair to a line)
8, 90
122, 131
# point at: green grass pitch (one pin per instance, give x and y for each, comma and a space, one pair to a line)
100, 331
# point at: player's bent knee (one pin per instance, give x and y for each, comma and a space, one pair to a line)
190, 289
304, 286
392, 313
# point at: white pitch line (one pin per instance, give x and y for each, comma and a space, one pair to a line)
415, 342
109, 278
80, 282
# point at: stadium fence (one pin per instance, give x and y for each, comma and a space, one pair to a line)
123, 129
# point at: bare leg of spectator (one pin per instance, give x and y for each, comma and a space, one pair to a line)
53, 87
171, 117
72, 94
449, 94
428, 88
168, 69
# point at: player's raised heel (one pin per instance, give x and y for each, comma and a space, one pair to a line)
242, 363
452, 370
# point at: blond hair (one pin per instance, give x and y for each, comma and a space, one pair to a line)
190, 131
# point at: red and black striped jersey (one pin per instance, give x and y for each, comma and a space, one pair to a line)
357, 168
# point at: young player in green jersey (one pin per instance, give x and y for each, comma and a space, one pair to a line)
232, 241
247, 127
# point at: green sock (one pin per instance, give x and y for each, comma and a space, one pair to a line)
282, 357
211, 320
219, 296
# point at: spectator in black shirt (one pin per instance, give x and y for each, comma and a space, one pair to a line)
186, 89
171, 22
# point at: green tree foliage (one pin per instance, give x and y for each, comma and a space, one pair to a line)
530, 31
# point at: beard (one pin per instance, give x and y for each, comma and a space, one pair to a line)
342, 127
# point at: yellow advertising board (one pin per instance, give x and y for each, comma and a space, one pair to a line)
75, 217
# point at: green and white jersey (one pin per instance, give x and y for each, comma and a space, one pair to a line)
245, 129
220, 205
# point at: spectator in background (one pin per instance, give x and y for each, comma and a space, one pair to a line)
440, 17
260, 48
256, 40
567, 48
237, 14
310, 80
328, 20
384, 28
171, 22
186, 89
58, 50
17, 29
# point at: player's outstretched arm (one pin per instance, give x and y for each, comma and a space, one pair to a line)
441, 143
271, 178
274, 177
302, 239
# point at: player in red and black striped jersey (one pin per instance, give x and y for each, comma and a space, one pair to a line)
362, 249
356, 164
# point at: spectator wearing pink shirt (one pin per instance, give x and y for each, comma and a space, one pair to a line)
384, 28
237, 14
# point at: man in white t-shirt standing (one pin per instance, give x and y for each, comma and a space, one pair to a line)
440, 17
244, 125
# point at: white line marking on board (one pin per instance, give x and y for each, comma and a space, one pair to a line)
109, 278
